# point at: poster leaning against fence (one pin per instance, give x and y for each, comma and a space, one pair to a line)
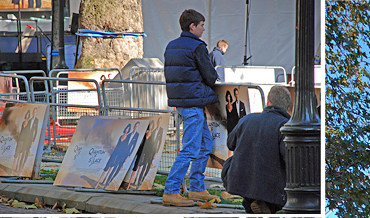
22, 134
106, 155
87, 97
78, 140
143, 169
234, 104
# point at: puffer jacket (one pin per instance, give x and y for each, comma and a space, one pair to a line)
189, 73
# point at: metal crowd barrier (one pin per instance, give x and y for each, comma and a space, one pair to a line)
275, 78
23, 85
62, 132
133, 98
140, 89
319, 76
15, 97
62, 114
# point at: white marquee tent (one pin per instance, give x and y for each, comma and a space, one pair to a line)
271, 28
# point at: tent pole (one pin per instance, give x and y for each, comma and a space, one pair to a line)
246, 33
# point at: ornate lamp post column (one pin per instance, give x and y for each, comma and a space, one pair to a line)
62, 63
302, 132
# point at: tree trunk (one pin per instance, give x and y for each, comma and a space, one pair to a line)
110, 16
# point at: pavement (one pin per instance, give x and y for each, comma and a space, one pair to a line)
100, 201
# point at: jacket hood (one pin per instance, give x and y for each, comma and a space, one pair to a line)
218, 49
277, 110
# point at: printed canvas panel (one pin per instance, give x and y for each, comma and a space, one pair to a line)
84, 126
86, 97
223, 117
6, 86
14, 4
143, 170
106, 155
22, 132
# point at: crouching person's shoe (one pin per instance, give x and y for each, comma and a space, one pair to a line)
202, 196
176, 200
260, 207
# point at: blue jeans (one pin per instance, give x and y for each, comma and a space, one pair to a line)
196, 147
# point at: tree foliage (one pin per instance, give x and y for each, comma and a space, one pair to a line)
347, 48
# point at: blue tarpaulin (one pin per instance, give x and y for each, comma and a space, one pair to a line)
93, 33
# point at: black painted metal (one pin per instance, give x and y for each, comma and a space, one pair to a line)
62, 62
302, 132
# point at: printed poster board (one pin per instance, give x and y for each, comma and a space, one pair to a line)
143, 170
223, 117
86, 97
13, 4
79, 137
6, 86
107, 153
22, 135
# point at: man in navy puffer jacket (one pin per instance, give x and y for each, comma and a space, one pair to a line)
189, 76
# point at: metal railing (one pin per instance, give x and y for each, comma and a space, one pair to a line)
111, 102
18, 94
275, 68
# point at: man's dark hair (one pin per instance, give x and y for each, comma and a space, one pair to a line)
236, 89
188, 17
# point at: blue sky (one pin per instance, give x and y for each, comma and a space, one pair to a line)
331, 214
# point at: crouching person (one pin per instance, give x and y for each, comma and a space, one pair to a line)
257, 169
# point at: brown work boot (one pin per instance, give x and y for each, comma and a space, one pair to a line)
260, 207
201, 196
176, 200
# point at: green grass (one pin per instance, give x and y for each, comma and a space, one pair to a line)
160, 179
49, 174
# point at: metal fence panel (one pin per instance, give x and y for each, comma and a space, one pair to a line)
142, 96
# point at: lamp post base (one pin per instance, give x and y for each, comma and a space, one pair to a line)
302, 201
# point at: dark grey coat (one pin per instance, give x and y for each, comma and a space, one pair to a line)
257, 169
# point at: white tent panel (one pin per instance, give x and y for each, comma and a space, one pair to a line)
224, 20
271, 35
228, 22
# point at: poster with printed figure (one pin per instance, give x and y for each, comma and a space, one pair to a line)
143, 170
30, 4
223, 117
84, 126
105, 157
86, 97
6, 86
22, 134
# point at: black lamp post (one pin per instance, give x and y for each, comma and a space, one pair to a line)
302, 132
62, 63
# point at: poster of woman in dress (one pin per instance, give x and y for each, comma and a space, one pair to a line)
21, 128
107, 153
223, 117
143, 170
